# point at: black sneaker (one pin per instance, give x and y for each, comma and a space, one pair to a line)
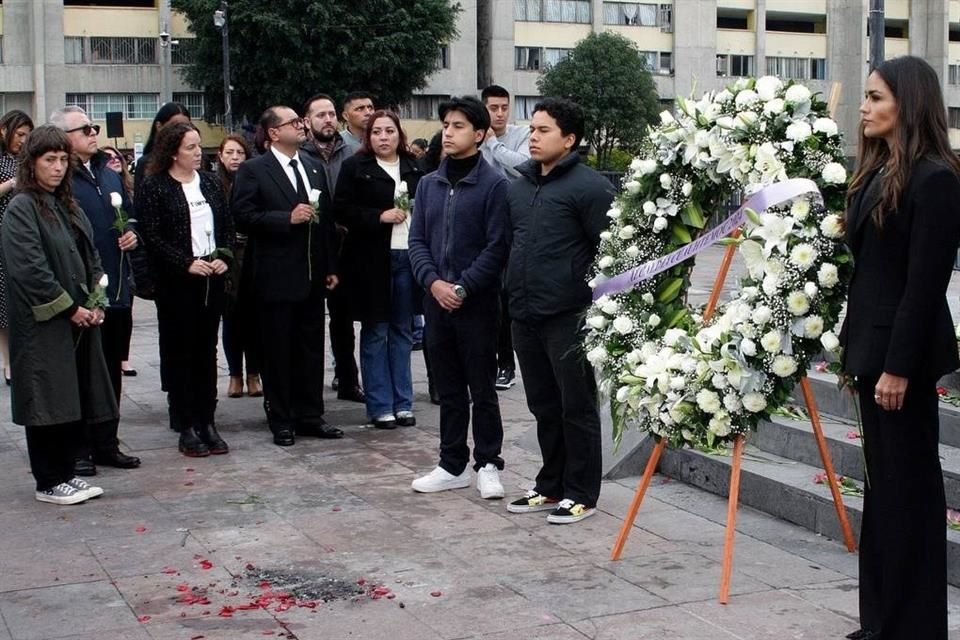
568, 512
532, 501
506, 378
191, 445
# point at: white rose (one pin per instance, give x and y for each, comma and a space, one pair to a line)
633, 251
597, 322
622, 394
314, 196
798, 94
813, 327
774, 107
626, 232
797, 303
784, 366
635, 164
754, 402
746, 98
686, 189
828, 276
609, 307
660, 224
829, 341
811, 290
649, 208
832, 226
834, 173
614, 213
633, 187
654, 320
767, 87
597, 356
606, 262
666, 181
745, 120
799, 131
800, 209
719, 427
605, 236
723, 97
748, 347
677, 383
104, 281
708, 401
647, 298
771, 341
825, 126
648, 166
762, 315
116, 200
623, 325
719, 381
803, 255
634, 357
672, 336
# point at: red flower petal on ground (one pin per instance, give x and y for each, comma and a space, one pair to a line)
169, 571
144, 619
141, 529
188, 484
226, 612
206, 565
361, 581
197, 637
183, 586
436, 594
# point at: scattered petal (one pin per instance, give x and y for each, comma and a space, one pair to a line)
436, 594
144, 619
141, 529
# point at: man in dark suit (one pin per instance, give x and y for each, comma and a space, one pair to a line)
294, 265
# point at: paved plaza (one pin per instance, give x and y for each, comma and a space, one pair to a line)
325, 541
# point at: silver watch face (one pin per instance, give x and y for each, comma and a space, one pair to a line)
460, 291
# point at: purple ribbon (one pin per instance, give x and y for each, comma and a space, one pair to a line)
767, 197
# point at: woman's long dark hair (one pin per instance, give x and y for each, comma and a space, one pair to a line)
367, 148
166, 147
9, 123
226, 179
43, 140
125, 176
163, 116
921, 130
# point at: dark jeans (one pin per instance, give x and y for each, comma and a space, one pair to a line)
115, 339
241, 336
463, 355
505, 358
51, 449
342, 339
292, 339
562, 396
188, 317
903, 553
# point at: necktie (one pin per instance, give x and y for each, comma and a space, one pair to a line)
301, 188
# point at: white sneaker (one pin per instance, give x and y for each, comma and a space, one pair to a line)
61, 494
85, 487
441, 480
488, 482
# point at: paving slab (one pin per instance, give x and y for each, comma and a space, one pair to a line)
664, 623
52, 612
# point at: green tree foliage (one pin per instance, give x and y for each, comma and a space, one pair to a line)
606, 75
283, 51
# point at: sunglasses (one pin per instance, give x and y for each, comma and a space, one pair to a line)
88, 129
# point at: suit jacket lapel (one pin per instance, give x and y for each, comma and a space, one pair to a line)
279, 175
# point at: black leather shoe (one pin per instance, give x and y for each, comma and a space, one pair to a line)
319, 430
354, 394
434, 395
863, 634
84, 467
283, 437
191, 445
208, 434
117, 460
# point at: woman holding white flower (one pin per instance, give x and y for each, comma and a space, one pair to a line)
189, 235
374, 201
903, 227
60, 377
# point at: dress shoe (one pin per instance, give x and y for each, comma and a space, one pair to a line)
129, 372
863, 634
208, 434
283, 437
235, 388
254, 389
434, 394
191, 445
84, 467
319, 430
354, 394
116, 459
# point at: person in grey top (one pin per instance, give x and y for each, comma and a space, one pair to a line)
357, 108
506, 145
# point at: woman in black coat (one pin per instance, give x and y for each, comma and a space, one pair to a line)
187, 228
903, 226
376, 266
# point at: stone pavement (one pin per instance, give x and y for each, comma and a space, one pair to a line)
251, 544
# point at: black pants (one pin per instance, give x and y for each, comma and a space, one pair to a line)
241, 336
903, 555
51, 449
127, 335
292, 339
342, 339
463, 355
101, 438
505, 358
188, 316
562, 396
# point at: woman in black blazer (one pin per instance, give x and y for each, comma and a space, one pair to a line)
376, 266
903, 227
186, 226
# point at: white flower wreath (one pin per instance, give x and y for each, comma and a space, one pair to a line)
666, 371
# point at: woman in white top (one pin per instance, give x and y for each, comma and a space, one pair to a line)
374, 196
189, 235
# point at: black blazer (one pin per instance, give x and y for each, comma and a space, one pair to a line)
164, 221
898, 320
261, 200
363, 192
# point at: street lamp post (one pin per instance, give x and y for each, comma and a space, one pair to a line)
877, 33
220, 21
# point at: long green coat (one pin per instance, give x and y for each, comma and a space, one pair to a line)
59, 372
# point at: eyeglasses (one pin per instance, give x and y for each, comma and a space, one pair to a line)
88, 129
296, 122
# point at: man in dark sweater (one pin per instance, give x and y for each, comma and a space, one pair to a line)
458, 250
557, 212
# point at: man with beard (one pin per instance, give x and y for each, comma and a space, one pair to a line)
325, 145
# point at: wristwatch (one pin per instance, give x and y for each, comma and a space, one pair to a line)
460, 291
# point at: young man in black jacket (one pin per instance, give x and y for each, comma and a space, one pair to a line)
557, 211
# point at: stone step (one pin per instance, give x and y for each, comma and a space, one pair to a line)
783, 488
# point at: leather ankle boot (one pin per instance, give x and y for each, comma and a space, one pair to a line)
191, 445
207, 433
235, 388
254, 390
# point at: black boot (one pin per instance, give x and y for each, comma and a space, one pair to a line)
191, 445
83, 466
207, 433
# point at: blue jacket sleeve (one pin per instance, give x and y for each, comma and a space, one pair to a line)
424, 267
484, 272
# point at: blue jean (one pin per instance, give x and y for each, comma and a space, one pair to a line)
385, 346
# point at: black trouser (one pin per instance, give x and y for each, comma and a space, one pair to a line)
562, 395
462, 347
903, 554
292, 340
342, 340
51, 449
101, 438
127, 335
505, 358
241, 336
188, 316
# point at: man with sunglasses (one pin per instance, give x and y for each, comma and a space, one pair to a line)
93, 184
294, 253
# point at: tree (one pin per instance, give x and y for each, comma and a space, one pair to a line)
284, 51
606, 75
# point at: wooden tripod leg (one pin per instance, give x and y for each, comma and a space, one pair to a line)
637, 499
732, 501
828, 465
721, 278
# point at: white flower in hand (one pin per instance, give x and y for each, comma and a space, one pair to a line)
104, 281
314, 195
116, 200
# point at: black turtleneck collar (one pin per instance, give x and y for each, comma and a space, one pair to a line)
458, 169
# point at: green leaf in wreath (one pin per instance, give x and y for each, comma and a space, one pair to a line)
728, 241
692, 216
679, 231
753, 216
669, 290
676, 317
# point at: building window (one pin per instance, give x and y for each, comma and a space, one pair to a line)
734, 65
443, 57
194, 102
630, 13
73, 50
660, 62
422, 107
184, 51
537, 58
134, 106
577, 11
953, 115
523, 107
953, 74
104, 50
797, 68
666, 18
